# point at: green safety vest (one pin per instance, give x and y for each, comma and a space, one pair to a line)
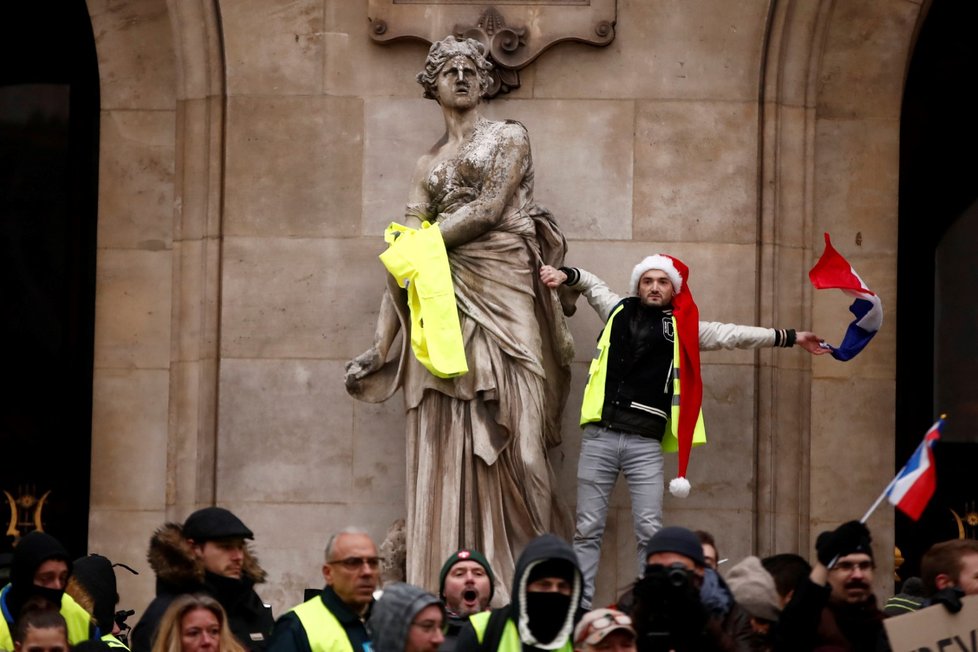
78, 620
597, 376
417, 260
510, 639
323, 629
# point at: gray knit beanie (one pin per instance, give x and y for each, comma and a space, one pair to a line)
753, 589
391, 616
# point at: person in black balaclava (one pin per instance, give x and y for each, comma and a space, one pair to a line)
546, 596
40, 569
93, 586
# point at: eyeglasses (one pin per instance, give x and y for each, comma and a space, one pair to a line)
607, 621
356, 563
849, 566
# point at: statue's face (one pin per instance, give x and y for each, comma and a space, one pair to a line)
458, 83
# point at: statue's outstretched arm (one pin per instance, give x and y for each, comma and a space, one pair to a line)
387, 328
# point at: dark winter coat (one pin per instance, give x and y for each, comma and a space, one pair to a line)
179, 572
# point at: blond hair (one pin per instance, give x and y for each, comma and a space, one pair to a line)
168, 636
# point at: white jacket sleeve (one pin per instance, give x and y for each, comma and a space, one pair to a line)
597, 293
717, 335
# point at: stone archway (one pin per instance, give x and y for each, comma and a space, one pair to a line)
834, 76
157, 314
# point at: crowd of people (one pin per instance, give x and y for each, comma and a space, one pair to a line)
206, 600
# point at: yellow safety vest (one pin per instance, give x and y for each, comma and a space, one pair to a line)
418, 261
113, 642
597, 376
510, 640
323, 629
78, 620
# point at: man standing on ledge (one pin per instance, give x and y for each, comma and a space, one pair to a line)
633, 408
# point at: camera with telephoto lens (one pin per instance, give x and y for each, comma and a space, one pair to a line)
668, 612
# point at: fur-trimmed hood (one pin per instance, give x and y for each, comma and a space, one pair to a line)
172, 559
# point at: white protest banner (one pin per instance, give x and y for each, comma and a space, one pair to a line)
934, 629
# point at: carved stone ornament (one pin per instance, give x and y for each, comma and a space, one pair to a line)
514, 32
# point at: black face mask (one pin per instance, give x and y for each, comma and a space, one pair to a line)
547, 614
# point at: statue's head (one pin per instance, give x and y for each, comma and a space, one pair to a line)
447, 49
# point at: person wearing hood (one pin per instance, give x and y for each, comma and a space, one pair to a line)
207, 554
406, 619
546, 594
633, 409
92, 585
466, 586
40, 569
754, 589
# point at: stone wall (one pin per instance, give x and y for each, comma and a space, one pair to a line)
252, 152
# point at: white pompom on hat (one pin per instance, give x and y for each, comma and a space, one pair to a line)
657, 261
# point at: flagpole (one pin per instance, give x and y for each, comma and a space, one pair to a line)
879, 500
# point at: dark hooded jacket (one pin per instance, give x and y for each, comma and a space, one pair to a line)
517, 614
392, 615
179, 572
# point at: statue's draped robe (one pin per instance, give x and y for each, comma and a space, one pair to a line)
477, 469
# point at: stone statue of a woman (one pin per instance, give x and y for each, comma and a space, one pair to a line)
478, 474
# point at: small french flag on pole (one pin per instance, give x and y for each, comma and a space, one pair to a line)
913, 487
834, 271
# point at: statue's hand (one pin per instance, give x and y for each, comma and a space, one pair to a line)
362, 366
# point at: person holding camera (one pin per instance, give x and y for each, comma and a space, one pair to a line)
681, 604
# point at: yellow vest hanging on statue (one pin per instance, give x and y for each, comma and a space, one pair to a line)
417, 260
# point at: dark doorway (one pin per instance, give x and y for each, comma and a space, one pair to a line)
937, 302
49, 113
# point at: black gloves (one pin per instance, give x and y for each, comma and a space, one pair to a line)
950, 598
844, 540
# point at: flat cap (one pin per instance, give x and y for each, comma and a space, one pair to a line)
213, 523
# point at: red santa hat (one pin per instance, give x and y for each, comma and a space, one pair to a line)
691, 382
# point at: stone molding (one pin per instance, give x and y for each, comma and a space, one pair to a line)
514, 33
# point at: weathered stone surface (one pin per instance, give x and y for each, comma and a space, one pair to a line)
856, 180
132, 311
264, 403
294, 166
695, 172
136, 180
671, 49
129, 437
136, 57
286, 298
274, 49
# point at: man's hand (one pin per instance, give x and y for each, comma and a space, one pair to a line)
551, 276
811, 343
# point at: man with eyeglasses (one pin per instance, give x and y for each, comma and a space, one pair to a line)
836, 606
333, 621
406, 619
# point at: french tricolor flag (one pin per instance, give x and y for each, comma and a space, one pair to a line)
913, 487
834, 271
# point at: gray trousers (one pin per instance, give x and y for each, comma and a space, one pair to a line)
605, 453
